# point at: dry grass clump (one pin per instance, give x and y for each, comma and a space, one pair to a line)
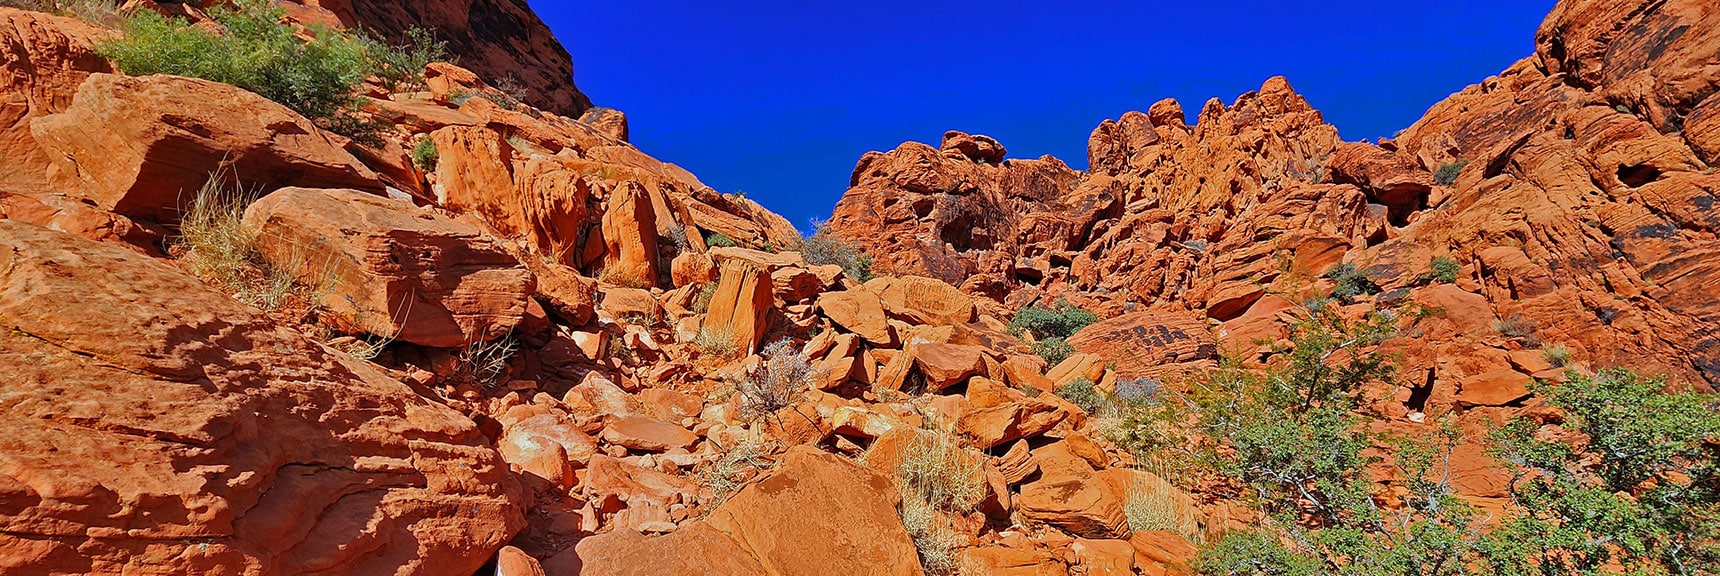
1559, 355
717, 342
100, 12
1152, 506
935, 474
724, 476
777, 382
215, 245
485, 363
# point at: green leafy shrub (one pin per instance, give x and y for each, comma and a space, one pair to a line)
1082, 393
1351, 282
718, 240
823, 248
424, 154
1447, 174
318, 78
400, 67
1051, 328
1441, 270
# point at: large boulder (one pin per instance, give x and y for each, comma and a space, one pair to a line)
1141, 342
740, 308
694, 549
43, 59
820, 514
392, 269
630, 236
154, 426
142, 147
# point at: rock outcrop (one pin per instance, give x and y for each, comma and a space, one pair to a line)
146, 411
391, 269
142, 147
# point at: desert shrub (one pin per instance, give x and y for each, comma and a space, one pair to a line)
935, 474
216, 246
1643, 492
1559, 355
777, 382
1152, 507
725, 475
702, 302
1051, 327
676, 237
718, 240
1519, 327
318, 78
823, 248
1082, 392
400, 67
1137, 391
1441, 270
424, 154
1195, 245
102, 12
1351, 282
717, 342
1447, 174
1054, 349
485, 363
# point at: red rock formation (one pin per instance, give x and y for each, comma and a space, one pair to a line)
498, 39
43, 59
143, 146
391, 269
147, 410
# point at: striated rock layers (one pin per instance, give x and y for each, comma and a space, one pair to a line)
151, 425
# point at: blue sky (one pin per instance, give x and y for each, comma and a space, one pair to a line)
780, 98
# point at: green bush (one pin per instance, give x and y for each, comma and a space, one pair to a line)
424, 154
1447, 174
823, 248
1083, 393
718, 240
1441, 270
1054, 350
1351, 282
400, 67
1061, 320
318, 78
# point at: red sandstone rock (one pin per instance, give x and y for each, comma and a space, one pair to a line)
392, 269
143, 146
859, 312
647, 434
741, 306
192, 416
694, 549
796, 520
43, 59
630, 233
1141, 342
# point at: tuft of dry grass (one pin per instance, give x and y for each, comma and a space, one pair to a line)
935, 474
1152, 506
737, 465
718, 343
777, 382
1559, 355
215, 245
485, 363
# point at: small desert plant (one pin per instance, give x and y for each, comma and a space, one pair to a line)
1441, 270
1558, 355
725, 475
777, 382
424, 154
1195, 245
103, 12
676, 237
1447, 174
1054, 350
401, 66
485, 363
936, 475
1060, 320
717, 342
718, 240
1351, 282
1151, 507
366, 347
213, 239
702, 302
822, 247
1081, 392
1519, 327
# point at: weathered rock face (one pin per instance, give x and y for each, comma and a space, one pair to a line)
43, 59
151, 411
801, 519
1574, 190
740, 309
392, 269
498, 39
141, 147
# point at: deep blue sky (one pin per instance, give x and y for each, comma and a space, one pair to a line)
780, 98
